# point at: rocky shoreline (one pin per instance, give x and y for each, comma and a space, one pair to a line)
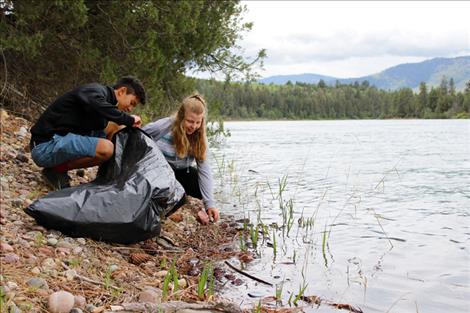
44, 271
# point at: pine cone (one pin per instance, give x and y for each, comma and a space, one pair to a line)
150, 246
139, 258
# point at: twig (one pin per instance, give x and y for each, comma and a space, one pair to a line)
247, 275
89, 280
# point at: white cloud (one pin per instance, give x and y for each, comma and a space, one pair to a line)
351, 39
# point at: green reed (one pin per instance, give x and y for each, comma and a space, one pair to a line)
206, 280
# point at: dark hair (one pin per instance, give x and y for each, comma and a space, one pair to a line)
133, 86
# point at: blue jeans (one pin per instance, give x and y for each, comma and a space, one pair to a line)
61, 149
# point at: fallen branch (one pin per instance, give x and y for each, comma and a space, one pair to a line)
177, 306
247, 275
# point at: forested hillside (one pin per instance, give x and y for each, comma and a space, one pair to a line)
343, 101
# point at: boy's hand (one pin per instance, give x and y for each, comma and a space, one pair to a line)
137, 121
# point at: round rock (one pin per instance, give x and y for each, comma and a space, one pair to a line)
10, 258
6, 247
61, 302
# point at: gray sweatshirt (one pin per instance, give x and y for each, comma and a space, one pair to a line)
160, 131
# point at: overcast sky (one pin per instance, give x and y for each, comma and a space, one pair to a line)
354, 38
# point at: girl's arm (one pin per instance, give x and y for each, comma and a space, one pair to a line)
157, 129
206, 183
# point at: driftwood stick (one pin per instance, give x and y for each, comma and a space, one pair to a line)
247, 275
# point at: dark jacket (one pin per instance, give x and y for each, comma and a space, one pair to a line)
80, 111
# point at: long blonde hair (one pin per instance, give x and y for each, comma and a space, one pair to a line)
194, 144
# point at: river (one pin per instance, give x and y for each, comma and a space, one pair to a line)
372, 213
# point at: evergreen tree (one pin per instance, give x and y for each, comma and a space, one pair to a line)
422, 102
52, 46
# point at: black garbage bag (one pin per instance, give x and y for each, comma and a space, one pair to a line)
126, 201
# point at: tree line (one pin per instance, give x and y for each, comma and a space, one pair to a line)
341, 101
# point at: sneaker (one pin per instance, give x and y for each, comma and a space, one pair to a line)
56, 179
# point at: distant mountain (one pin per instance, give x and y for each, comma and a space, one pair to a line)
303, 78
404, 75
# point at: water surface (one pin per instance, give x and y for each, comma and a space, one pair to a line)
393, 196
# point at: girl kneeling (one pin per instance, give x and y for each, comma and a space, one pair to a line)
182, 139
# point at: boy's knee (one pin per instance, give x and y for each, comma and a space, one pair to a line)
104, 149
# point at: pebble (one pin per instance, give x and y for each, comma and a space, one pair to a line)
113, 268
80, 302
65, 244
22, 157
150, 296
48, 263
77, 250
81, 241
70, 274
61, 302
182, 283
161, 273
55, 233
17, 203
10, 258
46, 251
24, 243
90, 308
76, 310
52, 242
38, 283
36, 270
22, 132
4, 247
12, 285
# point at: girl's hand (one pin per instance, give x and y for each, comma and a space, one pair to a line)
203, 217
213, 214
